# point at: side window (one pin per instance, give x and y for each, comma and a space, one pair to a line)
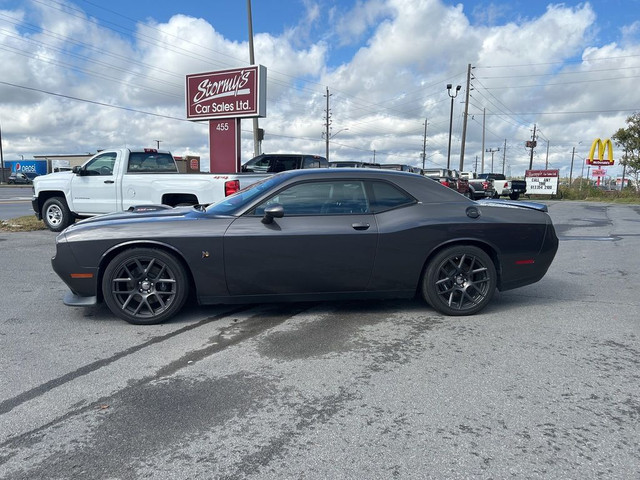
387, 197
320, 198
102, 164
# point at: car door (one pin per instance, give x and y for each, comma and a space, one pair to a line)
325, 242
94, 189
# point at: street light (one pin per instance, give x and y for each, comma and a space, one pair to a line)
330, 136
458, 87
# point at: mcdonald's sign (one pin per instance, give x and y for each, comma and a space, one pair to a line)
600, 146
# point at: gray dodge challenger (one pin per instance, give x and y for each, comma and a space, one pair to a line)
308, 235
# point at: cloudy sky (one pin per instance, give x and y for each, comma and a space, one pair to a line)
83, 75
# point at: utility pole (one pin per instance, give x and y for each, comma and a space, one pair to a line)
252, 61
1, 157
484, 116
424, 144
532, 145
466, 114
546, 163
492, 151
573, 154
504, 155
327, 124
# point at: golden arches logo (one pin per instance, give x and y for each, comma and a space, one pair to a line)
601, 146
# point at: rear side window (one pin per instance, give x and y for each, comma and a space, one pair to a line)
146, 162
387, 197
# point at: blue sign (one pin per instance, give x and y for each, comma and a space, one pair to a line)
27, 166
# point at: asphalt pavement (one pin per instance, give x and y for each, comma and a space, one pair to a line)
15, 201
541, 384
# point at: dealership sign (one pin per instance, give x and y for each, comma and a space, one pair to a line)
598, 147
235, 93
542, 182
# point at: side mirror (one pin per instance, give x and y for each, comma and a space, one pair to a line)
77, 170
274, 211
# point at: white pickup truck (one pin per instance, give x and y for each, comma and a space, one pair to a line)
115, 180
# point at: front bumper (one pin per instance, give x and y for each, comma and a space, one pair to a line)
36, 207
73, 300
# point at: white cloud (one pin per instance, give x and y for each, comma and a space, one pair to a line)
380, 96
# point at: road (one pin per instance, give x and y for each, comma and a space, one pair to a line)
544, 383
15, 201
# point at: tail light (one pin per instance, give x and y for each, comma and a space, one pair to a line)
506, 185
231, 187
485, 185
444, 182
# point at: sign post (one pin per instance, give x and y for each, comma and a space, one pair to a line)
228, 95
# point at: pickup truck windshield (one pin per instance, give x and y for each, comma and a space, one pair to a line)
237, 201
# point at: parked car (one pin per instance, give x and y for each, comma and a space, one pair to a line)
448, 178
479, 188
24, 178
280, 162
352, 164
308, 235
401, 167
505, 188
115, 180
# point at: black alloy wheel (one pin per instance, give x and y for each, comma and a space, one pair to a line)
460, 280
145, 286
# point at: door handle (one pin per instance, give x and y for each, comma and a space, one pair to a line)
109, 181
360, 226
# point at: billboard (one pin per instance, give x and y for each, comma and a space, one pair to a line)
542, 182
27, 166
235, 93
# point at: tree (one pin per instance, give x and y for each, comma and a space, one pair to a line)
629, 139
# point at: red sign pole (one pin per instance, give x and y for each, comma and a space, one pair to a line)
224, 145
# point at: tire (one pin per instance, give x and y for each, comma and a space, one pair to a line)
145, 286
460, 280
56, 214
514, 196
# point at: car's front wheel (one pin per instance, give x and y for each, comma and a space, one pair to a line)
56, 214
459, 280
145, 286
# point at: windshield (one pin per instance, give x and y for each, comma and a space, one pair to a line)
238, 200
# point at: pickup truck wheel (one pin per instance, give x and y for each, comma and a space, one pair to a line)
145, 286
514, 196
460, 280
56, 214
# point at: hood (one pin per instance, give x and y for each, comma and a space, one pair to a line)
138, 214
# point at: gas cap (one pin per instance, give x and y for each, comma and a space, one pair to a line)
473, 212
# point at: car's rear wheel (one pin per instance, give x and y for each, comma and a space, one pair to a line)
459, 280
145, 286
56, 214
514, 196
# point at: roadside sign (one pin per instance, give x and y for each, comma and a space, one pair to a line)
542, 182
